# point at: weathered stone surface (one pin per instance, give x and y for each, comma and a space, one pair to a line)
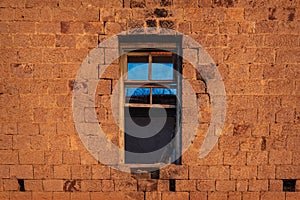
255, 46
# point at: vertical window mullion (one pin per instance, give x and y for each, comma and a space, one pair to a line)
150, 68
151, 95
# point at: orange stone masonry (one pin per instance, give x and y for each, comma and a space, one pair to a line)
256, 47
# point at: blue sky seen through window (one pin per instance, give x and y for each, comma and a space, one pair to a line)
162, 71
137, 91
146, 91
137, 71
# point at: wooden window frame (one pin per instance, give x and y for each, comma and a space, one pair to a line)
149, 83
166, 46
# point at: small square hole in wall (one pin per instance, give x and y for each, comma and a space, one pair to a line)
289, 185
21, 185
172, 185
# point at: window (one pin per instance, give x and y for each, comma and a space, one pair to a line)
289, 185
150, 86
150, 79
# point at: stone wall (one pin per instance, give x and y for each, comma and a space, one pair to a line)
255, 44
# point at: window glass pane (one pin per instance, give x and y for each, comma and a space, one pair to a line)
137, 68
162, 68
137, 95
162, 71
140, 116
164, 96
149, 144
137, 71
